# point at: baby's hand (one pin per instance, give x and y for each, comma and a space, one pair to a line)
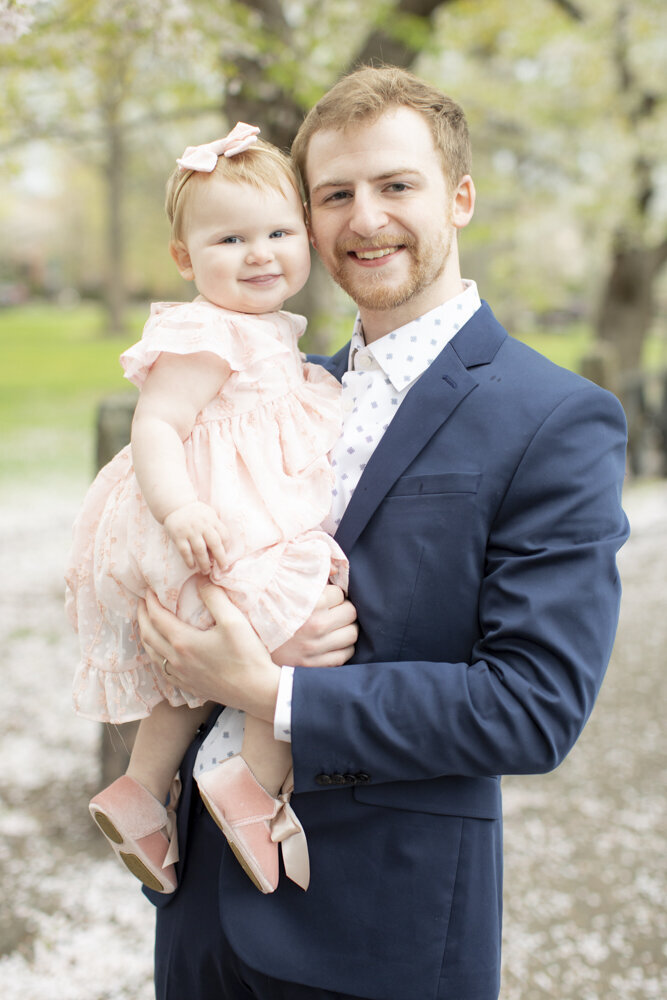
199, 535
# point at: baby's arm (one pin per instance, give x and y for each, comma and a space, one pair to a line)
176, 390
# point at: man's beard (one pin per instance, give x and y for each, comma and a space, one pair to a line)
370, 289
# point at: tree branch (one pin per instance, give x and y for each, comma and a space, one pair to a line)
383, 47
271, 13
63, 132
571, 9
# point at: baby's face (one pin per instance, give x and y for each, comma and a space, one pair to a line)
248, 248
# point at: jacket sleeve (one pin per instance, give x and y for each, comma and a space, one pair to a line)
547, 606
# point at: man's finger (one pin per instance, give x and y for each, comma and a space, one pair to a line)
330, 597
326, 620
151, 637
217, 602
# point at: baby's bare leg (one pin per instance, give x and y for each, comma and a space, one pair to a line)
268, 759
162, 739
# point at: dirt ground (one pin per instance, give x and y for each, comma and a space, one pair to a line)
585, 850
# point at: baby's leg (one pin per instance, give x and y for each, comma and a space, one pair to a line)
161, 741
269, 759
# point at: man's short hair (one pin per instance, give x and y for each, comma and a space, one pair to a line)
367, 93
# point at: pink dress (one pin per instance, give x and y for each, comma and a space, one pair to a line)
258, 454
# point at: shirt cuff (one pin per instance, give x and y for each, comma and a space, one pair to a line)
282, 720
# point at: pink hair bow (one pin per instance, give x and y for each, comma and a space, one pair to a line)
204, 158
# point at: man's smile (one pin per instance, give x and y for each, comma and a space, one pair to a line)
374, 254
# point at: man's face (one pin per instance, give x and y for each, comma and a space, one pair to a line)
383, 219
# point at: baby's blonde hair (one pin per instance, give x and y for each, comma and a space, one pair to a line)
262, 165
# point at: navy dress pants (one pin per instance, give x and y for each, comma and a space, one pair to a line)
193, 960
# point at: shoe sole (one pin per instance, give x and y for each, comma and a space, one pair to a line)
132, 862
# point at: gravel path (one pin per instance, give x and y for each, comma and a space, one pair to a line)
585, 851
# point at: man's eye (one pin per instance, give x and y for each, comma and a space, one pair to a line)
338, 196
398, 186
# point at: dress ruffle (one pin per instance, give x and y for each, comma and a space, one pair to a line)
277, 589
124, 695
258, 454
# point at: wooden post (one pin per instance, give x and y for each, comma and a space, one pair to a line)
114, 420
661, 419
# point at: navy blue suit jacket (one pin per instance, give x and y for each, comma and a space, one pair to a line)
482, 540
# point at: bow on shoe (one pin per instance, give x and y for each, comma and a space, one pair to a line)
171, 857
204, 158
287, 831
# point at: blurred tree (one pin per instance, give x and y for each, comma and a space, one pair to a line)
94, 75
638, 245
569, 117
97, 75
552, 130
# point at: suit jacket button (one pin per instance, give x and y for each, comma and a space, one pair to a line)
323, 779
338, 779
362, 777
350, 779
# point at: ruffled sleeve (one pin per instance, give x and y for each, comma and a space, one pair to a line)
296, 323
190, 328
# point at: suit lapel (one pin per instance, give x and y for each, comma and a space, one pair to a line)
336, 365
430, 402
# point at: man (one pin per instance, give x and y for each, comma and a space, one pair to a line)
478, 499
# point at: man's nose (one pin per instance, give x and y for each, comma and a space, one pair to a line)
368, 215
259, 252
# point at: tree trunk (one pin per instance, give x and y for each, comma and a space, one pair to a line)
626, 305
626, 308
115, 291
386, 46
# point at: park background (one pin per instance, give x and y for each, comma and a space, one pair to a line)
566, 101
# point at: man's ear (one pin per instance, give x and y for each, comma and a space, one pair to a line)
463, 205
179, 252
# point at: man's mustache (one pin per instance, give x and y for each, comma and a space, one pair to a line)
383, 242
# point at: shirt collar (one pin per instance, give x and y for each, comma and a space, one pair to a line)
406, 353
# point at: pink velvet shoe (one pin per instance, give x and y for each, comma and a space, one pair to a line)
140, 830
254, 823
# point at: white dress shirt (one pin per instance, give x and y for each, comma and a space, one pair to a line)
378, 379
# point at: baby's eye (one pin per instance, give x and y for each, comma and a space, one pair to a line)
277, 234
231, 239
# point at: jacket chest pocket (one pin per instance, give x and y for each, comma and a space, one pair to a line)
436, 484
416, 572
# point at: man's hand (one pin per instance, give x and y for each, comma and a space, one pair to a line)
327, 639
227, 663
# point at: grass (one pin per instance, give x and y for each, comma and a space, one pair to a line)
57, 366
565, 347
